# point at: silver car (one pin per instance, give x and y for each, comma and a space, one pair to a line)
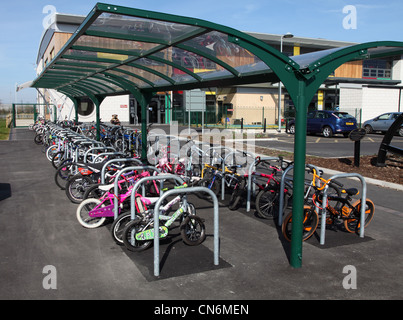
382, 123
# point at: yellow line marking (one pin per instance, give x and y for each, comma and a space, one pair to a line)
317, 140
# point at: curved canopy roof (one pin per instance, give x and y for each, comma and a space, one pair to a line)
117, 49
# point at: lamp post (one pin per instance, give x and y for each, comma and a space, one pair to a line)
284, 36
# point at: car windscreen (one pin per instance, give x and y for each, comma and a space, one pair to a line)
343, 115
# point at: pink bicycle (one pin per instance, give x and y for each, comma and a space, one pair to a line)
92, 212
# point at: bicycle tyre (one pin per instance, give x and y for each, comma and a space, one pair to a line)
352, 225
193, 230
237, 195
93, 192
310, 224
51, 151
62, 175
83, 217
129, 236
118, 227
267, 204
38, 139
76, 187
57, 159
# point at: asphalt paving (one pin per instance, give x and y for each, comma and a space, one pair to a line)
47, 255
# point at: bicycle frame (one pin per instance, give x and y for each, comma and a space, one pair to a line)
149, 233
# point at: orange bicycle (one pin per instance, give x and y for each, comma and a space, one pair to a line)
340, 210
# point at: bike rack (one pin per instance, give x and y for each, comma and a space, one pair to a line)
109, 154
116, 187
245, 154
145, 179
96, 148
212, 148
281, 202
250, 178
116, 160
363, 203
156, 223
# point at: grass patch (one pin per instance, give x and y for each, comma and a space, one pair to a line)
4, 131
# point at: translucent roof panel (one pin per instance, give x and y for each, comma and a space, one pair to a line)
130, 49
217, 44
145, 30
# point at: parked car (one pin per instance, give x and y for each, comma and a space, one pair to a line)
328, 123
382, 123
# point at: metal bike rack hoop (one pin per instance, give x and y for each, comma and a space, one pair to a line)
117, 153
250, 178
96, 148
282, 183
116, 187
156, 223
116, 160
146, 179
245, 154
363, 203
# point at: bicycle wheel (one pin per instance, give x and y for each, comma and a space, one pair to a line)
83, 216
63, 174
237, 195
38, 139
93, 192
119, 225
352, 224
51, 151
193, 230
57, 159
310, 223
129, 236
76, 187
267, 204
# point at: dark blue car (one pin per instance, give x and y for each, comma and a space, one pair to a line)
327, 123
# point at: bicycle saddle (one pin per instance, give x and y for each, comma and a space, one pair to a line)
106, 187
351, 191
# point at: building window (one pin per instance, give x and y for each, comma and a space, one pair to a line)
377, 69
52, 54
85, 107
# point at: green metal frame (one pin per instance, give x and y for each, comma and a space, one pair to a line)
301, 82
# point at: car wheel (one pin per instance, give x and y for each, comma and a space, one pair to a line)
327, 132
400, 132
368, 128
292, 129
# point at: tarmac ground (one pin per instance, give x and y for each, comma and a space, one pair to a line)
41, 238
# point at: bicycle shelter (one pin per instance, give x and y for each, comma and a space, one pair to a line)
119, 50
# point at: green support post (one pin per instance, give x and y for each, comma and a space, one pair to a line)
299, 176
14, 121
97, 100
54, 114
76, 105
35, 114
98, 117
146, 99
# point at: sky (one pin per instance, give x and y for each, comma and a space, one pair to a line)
361, 21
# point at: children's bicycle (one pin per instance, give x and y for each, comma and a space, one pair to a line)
138, 235
346, 213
